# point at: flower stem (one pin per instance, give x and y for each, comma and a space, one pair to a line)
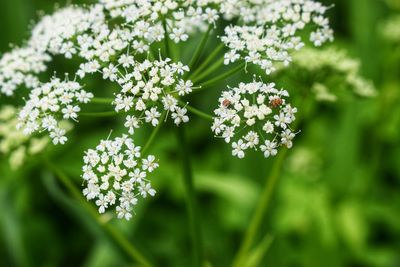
206, 61
260, 211
166, 39
99, 114
116, 236
197, 112
208, 71
190, 199
153, 134
101, 100
221, 77
200, 48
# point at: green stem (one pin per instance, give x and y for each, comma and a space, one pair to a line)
197, 112
99, 114
190, 199
116, 236
221, 77
200, 48
260, 211
153, 134
208, 71
166, 39
151, 54
101, 100
207, 61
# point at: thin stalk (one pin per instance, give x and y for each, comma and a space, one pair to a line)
208, 71
190, 199
116, 236
99, 114
166, 39
260, 211
200, 47
153, 134
197, 112
207, 61
151, 54
221, 77
101, 100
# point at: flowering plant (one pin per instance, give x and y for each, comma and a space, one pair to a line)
138, 45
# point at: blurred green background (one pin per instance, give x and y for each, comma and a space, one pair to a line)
337, 202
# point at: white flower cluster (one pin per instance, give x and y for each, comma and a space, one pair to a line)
115, 174
149, 87
48, 104
254, 116
56, 33
51, 36
270, 32
19, 67
152, 17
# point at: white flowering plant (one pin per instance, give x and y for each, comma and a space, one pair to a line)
154, 59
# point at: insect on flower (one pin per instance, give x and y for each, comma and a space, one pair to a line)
226, 103
276, 102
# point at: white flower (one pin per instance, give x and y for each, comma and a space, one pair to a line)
149, 163
231, 57
58, 136
131, 123
287, 137
178, 35
184, 87
110, 72
252, 139
152, 116
126, 61
238, 148
102, 203
269, 148
180, 116
170, 103
146, 189
268, 127
123, 213
281, 120
70, 112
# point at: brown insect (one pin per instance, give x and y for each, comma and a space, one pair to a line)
276, 102
226, 103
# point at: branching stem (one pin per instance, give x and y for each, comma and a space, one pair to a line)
221, 77
200, 48
153, 134
206, 61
